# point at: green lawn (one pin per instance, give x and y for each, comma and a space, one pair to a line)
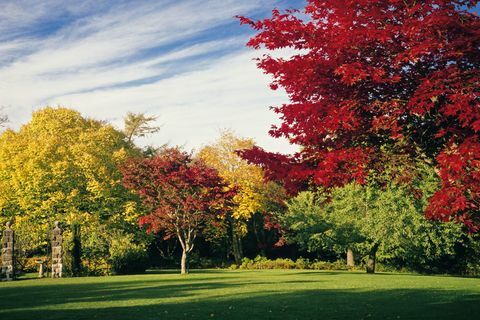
218, 294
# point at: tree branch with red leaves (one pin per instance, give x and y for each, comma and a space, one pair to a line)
368, 75
183, 195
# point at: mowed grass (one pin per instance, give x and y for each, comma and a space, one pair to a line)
222, 294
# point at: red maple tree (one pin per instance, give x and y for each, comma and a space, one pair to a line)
367, 75
183, 195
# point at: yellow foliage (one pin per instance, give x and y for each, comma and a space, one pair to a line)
62, 166
231, 167
247, 201
238, 173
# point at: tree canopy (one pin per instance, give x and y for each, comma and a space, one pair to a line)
368, 75
62, 166
373, 220
182, 195
246, 179
252, 194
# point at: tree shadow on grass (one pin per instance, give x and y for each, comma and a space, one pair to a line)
51, 292
162, 271
177, 271
232, 299
395, 274
318, 272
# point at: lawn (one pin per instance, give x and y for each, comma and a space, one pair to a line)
218, 294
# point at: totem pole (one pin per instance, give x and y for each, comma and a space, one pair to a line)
57, 259
8, 245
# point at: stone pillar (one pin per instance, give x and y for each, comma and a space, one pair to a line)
41, 268
350, 258
57, 258
8, 245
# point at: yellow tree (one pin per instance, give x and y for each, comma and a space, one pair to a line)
247, 179
62, 166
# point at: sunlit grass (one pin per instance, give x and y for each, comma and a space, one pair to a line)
243, 295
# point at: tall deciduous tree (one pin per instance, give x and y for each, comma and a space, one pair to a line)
62, 166
388, 222
183, 195
245, 178
310, 223
360, 218
373, 73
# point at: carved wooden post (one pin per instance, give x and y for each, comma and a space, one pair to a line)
8, 246
57, 258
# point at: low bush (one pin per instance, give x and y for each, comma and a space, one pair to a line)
30, 265
195, 261
127, 257
325, 265
131, 261
281, 263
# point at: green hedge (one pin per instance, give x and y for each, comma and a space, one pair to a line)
300, 264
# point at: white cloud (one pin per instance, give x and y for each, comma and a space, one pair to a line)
81, 65
193, 107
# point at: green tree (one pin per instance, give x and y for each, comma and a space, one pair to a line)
306, 221
310, 224
390, 221
383, 221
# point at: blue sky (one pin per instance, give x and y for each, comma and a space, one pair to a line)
184, 61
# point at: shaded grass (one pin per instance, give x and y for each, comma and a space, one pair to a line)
265, 294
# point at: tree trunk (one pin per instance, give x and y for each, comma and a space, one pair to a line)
372, 257
350, 258
237, 247
236, 241
258, 231
76, 250
183, 263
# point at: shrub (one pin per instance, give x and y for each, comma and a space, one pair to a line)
97, 266
325, 265
246, 264
127, 257
280, 263
131, 261
30, 265
472, 269
195, 261
302, 263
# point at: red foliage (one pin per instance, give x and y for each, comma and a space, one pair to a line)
366, 74
460, 192
182, 194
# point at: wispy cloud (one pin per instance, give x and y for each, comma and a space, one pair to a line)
182, 60
194, 106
